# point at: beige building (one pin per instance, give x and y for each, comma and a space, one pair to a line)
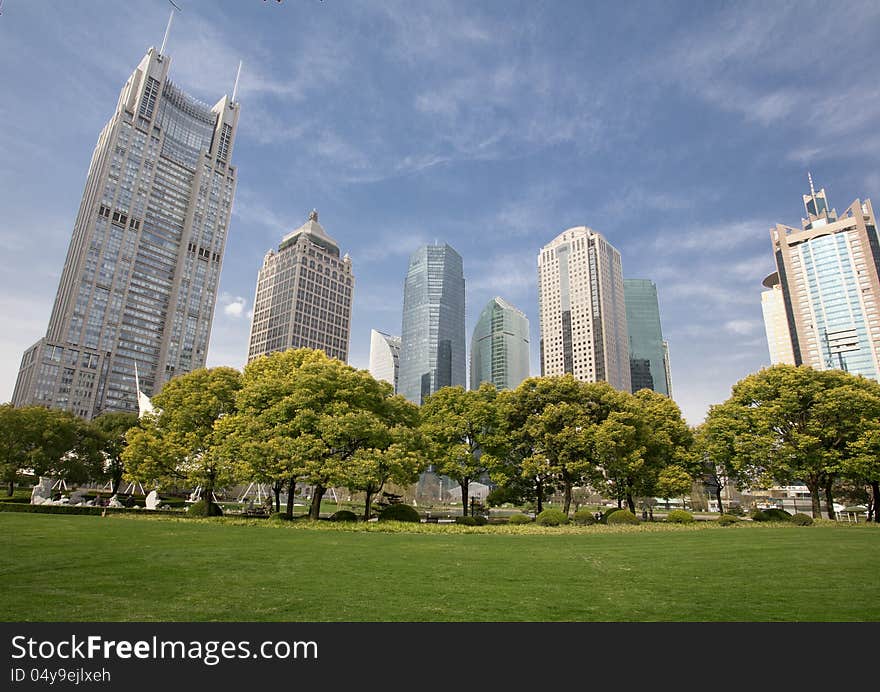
304, 294
582, 310
776, 322
828, 273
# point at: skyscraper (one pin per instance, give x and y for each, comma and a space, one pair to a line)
432, 338
647, 349
140, 280
776, 321
828, 273
582, 309
500, 346
303, 296
385, 357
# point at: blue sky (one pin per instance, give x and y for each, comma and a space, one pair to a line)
680, 131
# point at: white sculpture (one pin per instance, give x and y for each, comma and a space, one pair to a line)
114, 502
42, 491
152, 501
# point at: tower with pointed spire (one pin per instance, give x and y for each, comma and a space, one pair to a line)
303, 297
823, 307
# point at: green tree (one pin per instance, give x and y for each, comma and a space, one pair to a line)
112, 428
178, 443
674, 481
459, 427
33, 439
862, 465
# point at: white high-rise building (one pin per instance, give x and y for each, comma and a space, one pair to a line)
776, 322
303, 296
582, 309
384, 357
140, 280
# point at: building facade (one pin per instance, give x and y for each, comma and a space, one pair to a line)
648, 352
432, 338
582, 309
776, 322
303, 296
829, 273
140, 280
385, 357
500, 346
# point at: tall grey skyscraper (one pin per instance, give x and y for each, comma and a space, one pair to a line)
829, 274
303, 296
140, 280
385, 357
647, 349
500, 346
432, 339
582, 310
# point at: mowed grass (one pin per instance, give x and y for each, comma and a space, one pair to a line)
82, 568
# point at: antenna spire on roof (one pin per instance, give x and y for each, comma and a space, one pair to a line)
167, 31
235, 87
810, 178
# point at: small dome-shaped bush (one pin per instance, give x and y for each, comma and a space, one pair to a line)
552, 517
727, 520
466, 521
679, 516
519, 519
343, 515
204, 509
584, 517
777, 514
481, 520
607, 513
399, 512
760, 515
802, 520
623, 516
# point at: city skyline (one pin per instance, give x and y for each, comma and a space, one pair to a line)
481, 135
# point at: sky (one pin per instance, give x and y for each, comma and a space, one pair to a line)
680, 131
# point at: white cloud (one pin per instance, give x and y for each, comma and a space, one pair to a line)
233, 306
742, 327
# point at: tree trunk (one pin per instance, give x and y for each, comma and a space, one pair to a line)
814, 498
875, 492
315, 509
208, 497
829, 499
117, 481
368, 502
464, 496
630, 503
619, 502
566, 504
718, 499
276, 489
539, 491
10, 489
291, 490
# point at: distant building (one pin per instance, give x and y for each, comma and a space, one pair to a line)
500, 346
385, 357
432, 338
139, 284
303, 297
582, 309
776, 322
828, 274
648, 352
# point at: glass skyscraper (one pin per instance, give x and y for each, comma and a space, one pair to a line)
829, 273
647, 350
139, 283
385, 357
432, 338
500, 346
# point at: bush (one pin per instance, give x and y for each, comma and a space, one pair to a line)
607, 513
584, 517
727, 520
343, 515
399, 512
519, 519
623, 516
802, 520
204, 509
679, 516
778, 514
481, 520
466, 521
552, 517
760, 515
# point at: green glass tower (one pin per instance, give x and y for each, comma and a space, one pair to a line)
500, 346
648, 359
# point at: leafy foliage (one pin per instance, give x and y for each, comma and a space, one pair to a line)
399, 512
623, 516
800, 519
584, 517
552, 517
728, 520
679, 516
519, 519
343, 515
202, 508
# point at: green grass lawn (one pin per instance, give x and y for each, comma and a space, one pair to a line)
57, 567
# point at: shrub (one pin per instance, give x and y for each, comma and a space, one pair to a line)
552, 517
204, 509
777, 514
760, 515
802, 520
736, 510
623, 516
481, 520
584, 517
399, 512
519, 519
727, 520
343, 515
679, 516
466, 521
607, 513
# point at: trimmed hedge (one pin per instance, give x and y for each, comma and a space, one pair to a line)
399, 512
778, 514
466, 521
205, 509
584, 517
728, 520
519, 519
623, 516
679, 516
481, 520
802, 520
552, 517
69, 509
343, 515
